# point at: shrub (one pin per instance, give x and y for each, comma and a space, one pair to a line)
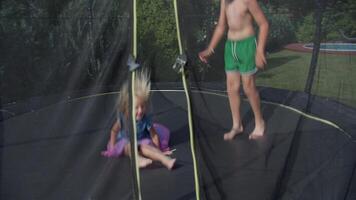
281, 31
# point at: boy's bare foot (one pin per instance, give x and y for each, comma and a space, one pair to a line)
170, 163
258, 132
144, 162
233, 132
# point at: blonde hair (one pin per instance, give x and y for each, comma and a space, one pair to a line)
142, 90
142, 84
123, 100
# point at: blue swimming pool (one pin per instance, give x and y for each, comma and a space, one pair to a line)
344, 47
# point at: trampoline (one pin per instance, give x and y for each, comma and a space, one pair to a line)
62, 64
65, 162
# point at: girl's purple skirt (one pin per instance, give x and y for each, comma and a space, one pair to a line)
162, 131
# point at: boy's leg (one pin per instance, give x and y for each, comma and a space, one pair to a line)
249, 85
155, 154
233, 83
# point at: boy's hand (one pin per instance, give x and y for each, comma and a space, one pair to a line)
204, 55
260, 59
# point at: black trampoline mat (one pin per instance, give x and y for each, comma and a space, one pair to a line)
54, 153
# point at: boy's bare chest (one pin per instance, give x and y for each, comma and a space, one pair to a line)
236, 9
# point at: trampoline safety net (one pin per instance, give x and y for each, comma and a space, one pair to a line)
71, 100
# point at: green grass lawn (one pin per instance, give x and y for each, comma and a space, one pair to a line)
335, 77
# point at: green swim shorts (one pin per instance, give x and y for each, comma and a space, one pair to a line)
240, 56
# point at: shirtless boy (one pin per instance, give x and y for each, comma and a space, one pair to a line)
242, 55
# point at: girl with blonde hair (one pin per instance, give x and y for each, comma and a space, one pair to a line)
148, 140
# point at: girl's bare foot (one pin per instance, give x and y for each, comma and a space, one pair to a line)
258, 132
168, 153
144, 162
170, 163
233, 132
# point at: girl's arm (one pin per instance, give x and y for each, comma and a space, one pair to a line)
113, 134
154, 137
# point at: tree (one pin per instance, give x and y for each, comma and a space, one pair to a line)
157, 37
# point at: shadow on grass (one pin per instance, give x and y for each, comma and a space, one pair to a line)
276, 62
280, 60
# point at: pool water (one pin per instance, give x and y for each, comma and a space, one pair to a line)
345, 47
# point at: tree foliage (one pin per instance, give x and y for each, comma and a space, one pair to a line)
157, 37
282, 28
338, 15
66, 44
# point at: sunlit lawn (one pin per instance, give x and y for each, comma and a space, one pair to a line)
335, 76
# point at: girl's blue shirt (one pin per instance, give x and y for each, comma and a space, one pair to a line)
143, 127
